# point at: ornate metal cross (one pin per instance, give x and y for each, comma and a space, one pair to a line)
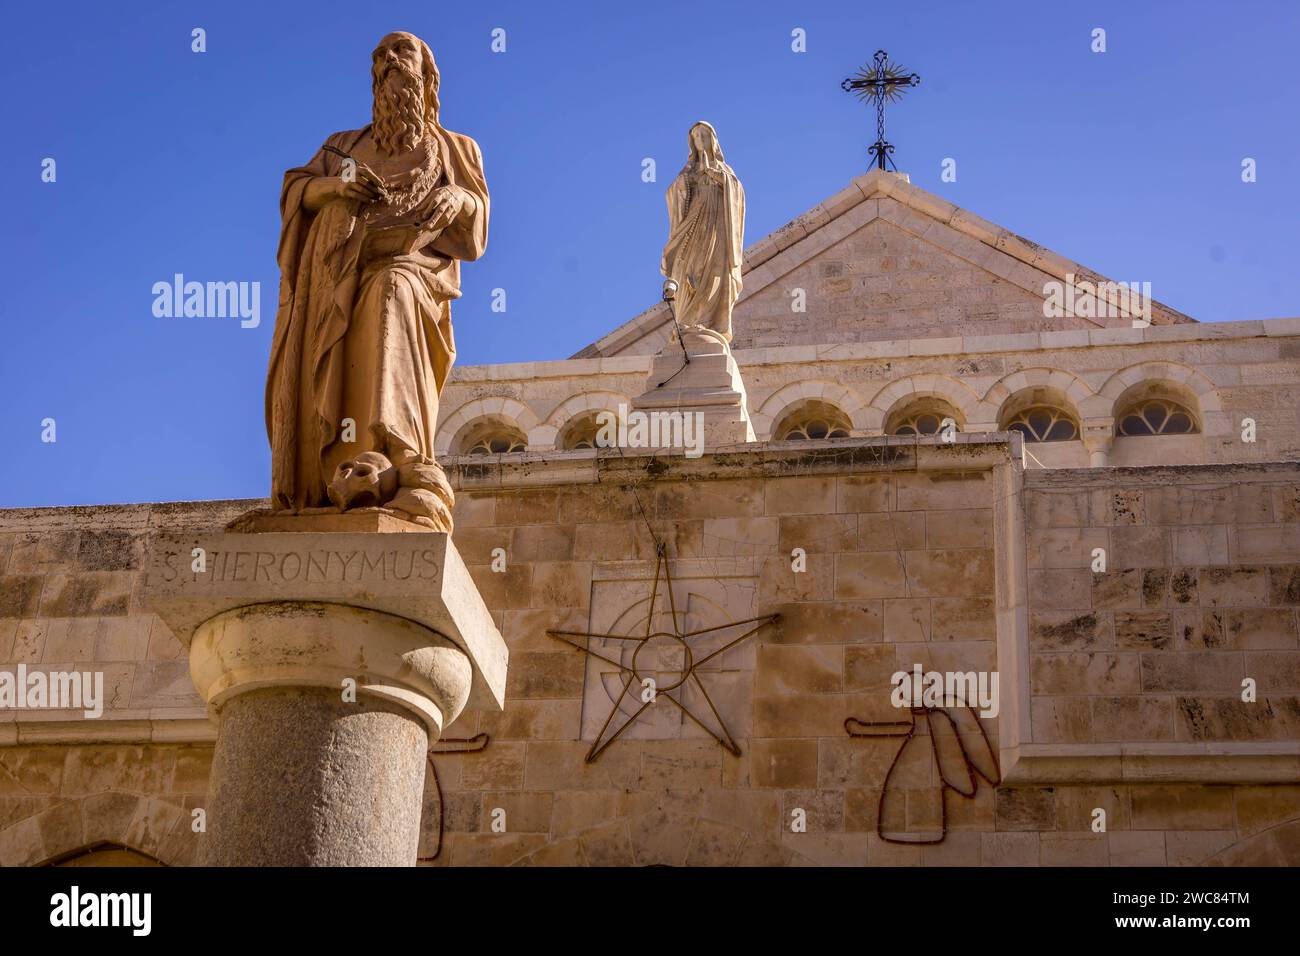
880, 82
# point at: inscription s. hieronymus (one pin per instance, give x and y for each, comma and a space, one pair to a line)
306, 566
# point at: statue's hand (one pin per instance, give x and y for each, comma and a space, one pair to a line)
324, 188
447, 205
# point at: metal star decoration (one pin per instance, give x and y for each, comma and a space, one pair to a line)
653, 647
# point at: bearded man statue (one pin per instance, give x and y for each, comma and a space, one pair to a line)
706, 219
373, 232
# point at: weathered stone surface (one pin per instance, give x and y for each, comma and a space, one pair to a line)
338, 765
1182, 808
785, 764
418, 576
1130, 669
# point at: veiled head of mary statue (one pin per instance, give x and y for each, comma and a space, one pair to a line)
404, 80
705, 147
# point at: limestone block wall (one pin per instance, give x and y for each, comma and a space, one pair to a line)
899, 568
911, 553
59, 799
901, 571
1241, 380
71, 584
884, 283
1201, 591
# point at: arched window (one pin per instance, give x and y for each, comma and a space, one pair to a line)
581, 432
1039, 423
1041, 413
924, 416
105, 854
1156, 416
493, 437
812, 420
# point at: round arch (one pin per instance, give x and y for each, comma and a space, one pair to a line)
496, 407
895, 396
149, 827
1077, 394
1193, 386
777, 405
547, 433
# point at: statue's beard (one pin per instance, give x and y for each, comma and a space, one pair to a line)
398, 114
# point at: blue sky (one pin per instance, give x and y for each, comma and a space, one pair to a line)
170, 161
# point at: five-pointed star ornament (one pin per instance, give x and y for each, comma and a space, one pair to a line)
647, 661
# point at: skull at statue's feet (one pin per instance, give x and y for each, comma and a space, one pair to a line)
367, 481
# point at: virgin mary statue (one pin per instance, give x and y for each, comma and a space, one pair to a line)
706, 217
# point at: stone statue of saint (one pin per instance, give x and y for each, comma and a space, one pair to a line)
706, 217
373, 232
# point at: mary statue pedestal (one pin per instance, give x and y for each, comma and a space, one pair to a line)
695, 372
708, 386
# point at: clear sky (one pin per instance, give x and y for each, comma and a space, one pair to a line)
170, 161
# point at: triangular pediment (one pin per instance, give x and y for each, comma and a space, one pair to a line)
883, 259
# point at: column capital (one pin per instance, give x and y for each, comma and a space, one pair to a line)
415, 576
1098, 436
313, 644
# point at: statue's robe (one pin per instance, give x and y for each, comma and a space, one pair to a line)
367, 341
704, 252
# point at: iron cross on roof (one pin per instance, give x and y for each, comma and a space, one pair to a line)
880, 82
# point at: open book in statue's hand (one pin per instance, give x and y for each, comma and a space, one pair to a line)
439, 210
399, 240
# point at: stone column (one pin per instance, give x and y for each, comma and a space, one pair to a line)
1098, 437
330, 662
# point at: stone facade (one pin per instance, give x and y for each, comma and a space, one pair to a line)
1226, 372
1123, 685
1201, 591
1127, 699
886, 297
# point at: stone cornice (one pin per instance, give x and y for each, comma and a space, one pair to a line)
897, 348
975, 451
1196, 763
190, 727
